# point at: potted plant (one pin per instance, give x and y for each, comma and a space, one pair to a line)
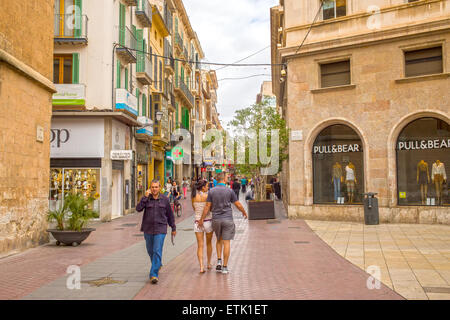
71, 219
257, 122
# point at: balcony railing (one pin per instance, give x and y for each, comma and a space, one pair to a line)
185, 90
144, 69
128, 44
71, 28
144, 13
130, 2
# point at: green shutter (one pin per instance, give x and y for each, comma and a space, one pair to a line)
78, 19
76, 68
122, 24
176, 24
126, 78
144, 105
140, 67
137, 98
176, 75
176, 116
118, 75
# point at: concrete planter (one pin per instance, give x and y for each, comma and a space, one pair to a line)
261, 209
70, 237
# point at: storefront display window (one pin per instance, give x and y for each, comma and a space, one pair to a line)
423, 157
79, 180
338, 164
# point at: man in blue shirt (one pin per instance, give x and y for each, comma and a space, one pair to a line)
219, 203
157, 215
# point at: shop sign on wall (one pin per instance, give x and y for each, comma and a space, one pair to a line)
341, 148
121, 154
424, 144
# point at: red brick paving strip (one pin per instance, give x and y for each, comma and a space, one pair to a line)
25, 272
266, 264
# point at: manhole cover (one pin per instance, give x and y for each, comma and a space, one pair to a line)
103, 281
188, 229
293, 227
129, 225
273, 221
119, 228
301, 242
436, 289
138, 235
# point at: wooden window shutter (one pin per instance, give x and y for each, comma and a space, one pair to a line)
144, 105
76, 68
118, 75
335, 74
137, 97
126, 78
122, 24
78, 18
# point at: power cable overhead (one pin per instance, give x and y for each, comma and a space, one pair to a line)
253, 54
310, 27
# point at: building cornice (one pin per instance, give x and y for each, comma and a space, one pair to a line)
120, 116
27, 71
374, 37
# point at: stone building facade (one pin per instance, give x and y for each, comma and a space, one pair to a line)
367, 99
26, 43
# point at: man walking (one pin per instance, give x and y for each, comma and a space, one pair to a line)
219, 203
157, 215
236, 187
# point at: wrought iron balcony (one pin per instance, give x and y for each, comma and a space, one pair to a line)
70, 28
144, 69
182, 88
128, 44
144, 13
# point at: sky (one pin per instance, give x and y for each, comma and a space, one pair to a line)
230, 30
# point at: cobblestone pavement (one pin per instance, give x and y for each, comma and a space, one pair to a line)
23, 273
270, 259
414, 259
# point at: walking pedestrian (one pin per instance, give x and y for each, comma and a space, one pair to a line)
199, 196
176, 196
236, 187
168, 189
184, 184
244, 185
219, 202
157, 215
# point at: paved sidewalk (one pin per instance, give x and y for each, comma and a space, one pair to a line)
270, 259
414, 259
23, 273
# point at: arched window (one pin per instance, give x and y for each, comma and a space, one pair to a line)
423, 152
338, 165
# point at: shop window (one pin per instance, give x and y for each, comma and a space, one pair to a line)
423, 61
335, 74
78, 180
423, 153
334, 8
338, 165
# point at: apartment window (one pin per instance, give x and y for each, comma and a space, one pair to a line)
155, 71
334, 8
335, 74
66, 68
423, 61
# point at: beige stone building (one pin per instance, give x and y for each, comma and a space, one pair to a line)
367, 99
26, 44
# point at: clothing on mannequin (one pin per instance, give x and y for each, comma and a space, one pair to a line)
336, 179
350, 181
423, 179
438, 176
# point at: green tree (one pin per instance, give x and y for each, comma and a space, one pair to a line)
256, 118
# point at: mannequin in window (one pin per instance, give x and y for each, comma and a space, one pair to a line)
438, 177
336, 180
423, 179
350, 181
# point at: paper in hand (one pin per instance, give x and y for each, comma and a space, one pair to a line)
172, 238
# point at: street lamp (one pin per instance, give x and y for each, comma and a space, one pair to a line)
159, 115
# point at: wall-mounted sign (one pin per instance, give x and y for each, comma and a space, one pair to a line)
402, 195
297, 135
342, 148
424, 144
77, 138
210, 169
177, 153
121, 154
69, 95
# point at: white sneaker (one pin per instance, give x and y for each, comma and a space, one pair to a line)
224, 270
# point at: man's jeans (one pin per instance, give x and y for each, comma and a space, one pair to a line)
154, 243
337, 188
